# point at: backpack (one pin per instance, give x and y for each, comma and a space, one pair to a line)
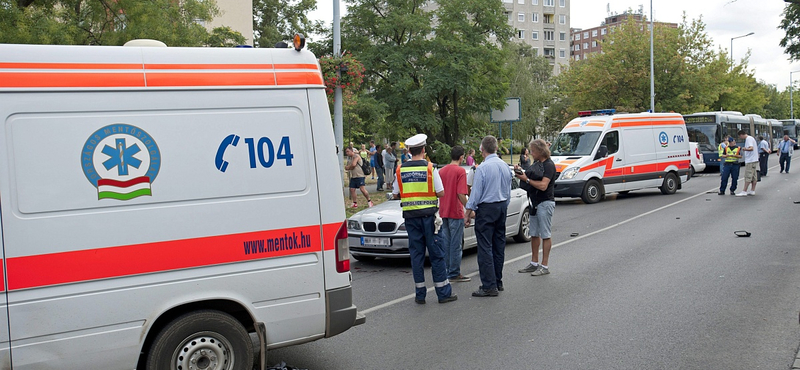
365, 167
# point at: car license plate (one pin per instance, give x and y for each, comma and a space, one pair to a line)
365, 240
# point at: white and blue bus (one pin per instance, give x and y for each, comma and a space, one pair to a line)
791, 127
708, 129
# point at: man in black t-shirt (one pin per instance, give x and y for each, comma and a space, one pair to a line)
541, 178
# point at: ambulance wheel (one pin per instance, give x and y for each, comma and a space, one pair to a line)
592, 192
364, 258
205, 339
524, 226
670, 185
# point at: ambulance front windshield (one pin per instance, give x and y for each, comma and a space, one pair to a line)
574, 143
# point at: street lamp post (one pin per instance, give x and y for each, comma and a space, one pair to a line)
734, 38
791, 100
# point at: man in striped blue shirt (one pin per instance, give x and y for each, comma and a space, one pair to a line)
488, 203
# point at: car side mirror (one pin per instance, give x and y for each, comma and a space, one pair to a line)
389, 196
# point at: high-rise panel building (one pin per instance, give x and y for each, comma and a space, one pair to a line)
543, 24
236, 14
585, 42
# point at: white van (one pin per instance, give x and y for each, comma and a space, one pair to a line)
160, 205
601, 152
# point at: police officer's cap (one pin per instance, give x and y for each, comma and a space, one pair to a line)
416, 141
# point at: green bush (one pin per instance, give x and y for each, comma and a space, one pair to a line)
439, 153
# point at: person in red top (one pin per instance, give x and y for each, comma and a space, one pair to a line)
451, 210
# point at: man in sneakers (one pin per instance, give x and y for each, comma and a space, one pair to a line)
763, 156
542, 179
750, 164
356, 174
418, 187
451, 209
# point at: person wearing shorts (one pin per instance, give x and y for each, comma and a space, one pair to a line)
750, 149
353, 168
542, 181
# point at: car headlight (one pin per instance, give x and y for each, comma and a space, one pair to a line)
353, 225
402, 227
570, 173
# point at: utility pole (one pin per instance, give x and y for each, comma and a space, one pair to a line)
338, 131
652, 76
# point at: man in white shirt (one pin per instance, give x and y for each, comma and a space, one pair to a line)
750, 149
763, 156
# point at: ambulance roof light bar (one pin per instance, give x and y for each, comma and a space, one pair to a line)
597, 112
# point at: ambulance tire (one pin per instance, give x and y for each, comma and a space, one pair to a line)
524, 226
670, 185
593, 192
364, 258
206, 339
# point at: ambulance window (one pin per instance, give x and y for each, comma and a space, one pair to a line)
611, 141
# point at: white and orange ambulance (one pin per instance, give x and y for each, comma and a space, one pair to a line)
601, 152
159, 205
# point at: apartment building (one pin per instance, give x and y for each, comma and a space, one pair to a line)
585, 42
236, 14
543, 24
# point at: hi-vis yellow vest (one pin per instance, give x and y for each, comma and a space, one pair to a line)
727, 151
417, 195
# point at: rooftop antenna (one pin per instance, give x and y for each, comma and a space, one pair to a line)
641, 9
608, 9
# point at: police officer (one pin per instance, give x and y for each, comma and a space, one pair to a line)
730, 166
418, 187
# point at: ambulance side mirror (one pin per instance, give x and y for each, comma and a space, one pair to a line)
602, 152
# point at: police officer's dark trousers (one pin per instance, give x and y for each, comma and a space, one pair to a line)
421, 237
732, 170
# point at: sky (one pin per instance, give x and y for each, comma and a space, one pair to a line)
724, 19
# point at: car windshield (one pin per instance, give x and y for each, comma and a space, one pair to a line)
574, 143
704, 136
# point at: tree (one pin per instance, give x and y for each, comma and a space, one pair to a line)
531, 80
279, 20
103, 22
225, 37
791, 25
689, 75
435, 68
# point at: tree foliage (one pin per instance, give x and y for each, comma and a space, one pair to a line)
433, 69
279, 20
105, 22
530, 79
689, 75
791, 25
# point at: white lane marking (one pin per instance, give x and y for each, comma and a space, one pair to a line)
528, 255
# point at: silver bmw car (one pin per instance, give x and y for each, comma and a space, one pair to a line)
380, 231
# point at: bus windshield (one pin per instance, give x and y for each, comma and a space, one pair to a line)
574, 143
704, 135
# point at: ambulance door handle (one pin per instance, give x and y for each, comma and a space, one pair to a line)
619, 159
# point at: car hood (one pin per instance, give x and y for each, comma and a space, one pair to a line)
388, 211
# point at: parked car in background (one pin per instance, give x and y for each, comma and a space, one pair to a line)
380, 231
697, 160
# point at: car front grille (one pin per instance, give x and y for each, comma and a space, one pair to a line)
384, 227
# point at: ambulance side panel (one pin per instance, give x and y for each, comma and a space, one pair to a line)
639, 150
88, 276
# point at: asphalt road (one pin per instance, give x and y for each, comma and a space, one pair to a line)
650, 282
